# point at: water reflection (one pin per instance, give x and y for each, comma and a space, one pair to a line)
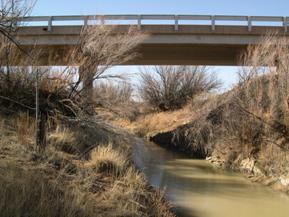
200, 190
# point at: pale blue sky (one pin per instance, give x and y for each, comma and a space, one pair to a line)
227, 7
212, 7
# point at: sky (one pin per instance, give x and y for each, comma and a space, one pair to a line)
224, 7
206, 7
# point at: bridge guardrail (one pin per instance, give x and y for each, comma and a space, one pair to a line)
282, 21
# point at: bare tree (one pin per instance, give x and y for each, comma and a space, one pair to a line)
102, 47
171, 87
10, 13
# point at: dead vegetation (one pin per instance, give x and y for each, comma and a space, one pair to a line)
172, 87
100, 49
100, 181
117, 98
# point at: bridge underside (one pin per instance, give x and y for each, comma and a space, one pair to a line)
152, 54
188, 54
190, 45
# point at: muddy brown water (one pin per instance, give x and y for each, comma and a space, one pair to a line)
198, 189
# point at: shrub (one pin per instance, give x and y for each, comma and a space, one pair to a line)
117, 98
109, 94
17, 92
171, 87
106, 159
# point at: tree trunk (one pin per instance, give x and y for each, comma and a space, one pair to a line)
87, 75
41, 131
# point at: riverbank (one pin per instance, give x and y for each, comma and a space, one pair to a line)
201, 132
86, 170
227, 133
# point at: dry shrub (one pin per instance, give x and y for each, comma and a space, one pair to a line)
109, 94
108, 160
263, 92
116, 98
171, 87
18, 92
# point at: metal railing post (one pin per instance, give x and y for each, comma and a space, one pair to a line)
49, 24
176, 22
139, 22
85, 22
213, 22
249, 23
285, 24
102, 20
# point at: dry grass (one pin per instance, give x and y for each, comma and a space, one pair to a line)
107, 159
25, 129
163, 121
152, 123
63, 139
68, 184
149, 124
29, 193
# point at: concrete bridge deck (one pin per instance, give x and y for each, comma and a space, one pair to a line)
169, 43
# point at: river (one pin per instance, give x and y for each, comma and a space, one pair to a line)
198, 189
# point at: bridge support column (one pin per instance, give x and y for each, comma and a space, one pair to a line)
86, 73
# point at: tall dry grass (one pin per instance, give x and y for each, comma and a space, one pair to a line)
28, 193
107, 159
65, 183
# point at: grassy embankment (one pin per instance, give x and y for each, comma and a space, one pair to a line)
85, 171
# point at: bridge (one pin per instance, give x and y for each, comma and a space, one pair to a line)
173, 39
